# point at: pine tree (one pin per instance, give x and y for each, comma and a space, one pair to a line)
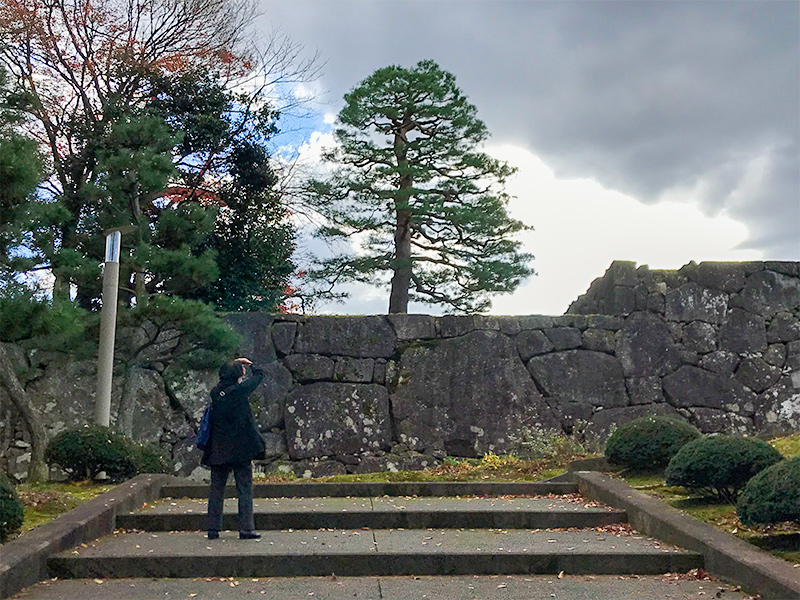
416, 196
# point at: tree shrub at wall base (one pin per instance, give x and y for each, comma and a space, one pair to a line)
11, 513
648, 443
148, 458
85, 452
720, 464
772, 496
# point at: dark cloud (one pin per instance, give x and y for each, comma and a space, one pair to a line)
645, 97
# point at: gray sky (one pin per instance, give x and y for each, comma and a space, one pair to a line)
643, 130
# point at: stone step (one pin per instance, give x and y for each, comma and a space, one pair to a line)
506, 587
371, 552
381, 513
373, 489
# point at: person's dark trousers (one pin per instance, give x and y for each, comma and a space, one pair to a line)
243, 473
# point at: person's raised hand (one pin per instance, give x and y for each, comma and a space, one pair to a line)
244, 361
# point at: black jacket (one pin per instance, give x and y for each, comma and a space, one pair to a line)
234, 437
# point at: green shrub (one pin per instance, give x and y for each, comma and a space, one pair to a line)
772, 496
84, 452
720, 464
648, 443
11, 513
534, 442
149, 458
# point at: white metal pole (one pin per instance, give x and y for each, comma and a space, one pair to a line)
108, 325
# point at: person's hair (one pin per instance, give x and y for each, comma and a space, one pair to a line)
231, 371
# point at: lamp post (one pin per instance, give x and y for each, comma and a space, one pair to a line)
108, 324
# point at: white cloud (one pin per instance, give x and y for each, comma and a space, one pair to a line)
581, 227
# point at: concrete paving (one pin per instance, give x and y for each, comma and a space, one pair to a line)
529, 587
371, 552
381, 513
372, 489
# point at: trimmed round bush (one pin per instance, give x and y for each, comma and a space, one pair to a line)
11, 513
84, 452
149, 458
648, 443
772, 496
720, 464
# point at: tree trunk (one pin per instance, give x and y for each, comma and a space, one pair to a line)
401, 280
37, 470
127, 402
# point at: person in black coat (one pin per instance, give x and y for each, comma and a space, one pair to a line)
233, 442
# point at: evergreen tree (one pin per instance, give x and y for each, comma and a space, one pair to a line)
252, 239
415, 195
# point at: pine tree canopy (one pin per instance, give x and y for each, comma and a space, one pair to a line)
416, 197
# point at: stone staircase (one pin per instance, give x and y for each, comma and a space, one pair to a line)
377, 529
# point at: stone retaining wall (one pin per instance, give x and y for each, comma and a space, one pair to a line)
717, 344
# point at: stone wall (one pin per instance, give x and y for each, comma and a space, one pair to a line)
717, 344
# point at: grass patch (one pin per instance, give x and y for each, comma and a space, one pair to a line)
489, 468
781, 539
789, 446
43, 502
461, 470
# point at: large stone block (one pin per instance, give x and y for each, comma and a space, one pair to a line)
535, 322
274, 445
256, 331
361, 337
186, 457
509, 325
767, 292
645, 346
725, 277
721, 361
310, 367
572, 413
757, 374
354, 370
328, 419
599, 340
605, 322
743, 332
152, 410
579, 376
692, 386
784, 327
699, 337
778, 409
619, 301
412, 327
283, 335
271, 395
64, 394
458, 325
318, 468
622, 272
775, 355
533, 343
713, 420
786, 267
467, 392
564, 338
692, 302
645, 390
